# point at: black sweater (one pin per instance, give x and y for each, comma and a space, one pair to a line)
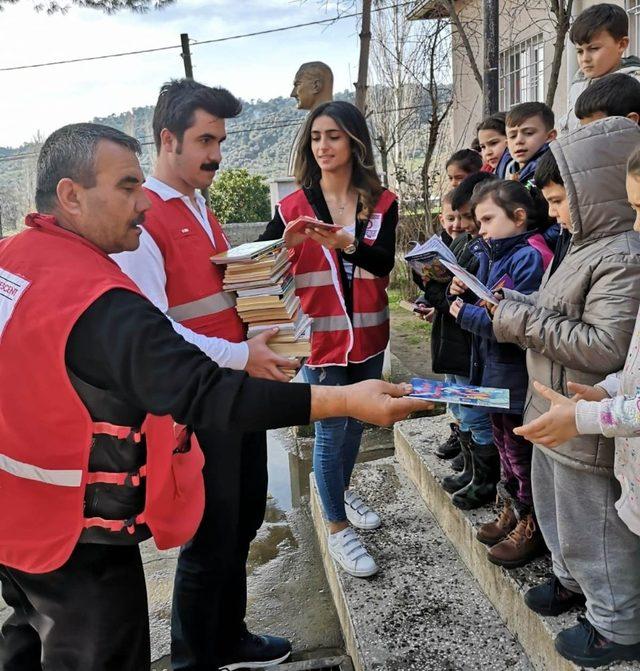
123, 344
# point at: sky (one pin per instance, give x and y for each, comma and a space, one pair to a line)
43, 99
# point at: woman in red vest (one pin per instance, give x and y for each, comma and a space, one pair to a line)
341, 279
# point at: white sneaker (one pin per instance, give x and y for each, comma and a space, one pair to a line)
347, 549
358, 512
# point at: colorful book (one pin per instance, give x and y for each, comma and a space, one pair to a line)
301, 223
426, 259
250, 251
442, 392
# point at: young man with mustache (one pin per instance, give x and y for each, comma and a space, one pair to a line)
173, 270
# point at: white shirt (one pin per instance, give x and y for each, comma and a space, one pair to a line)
145, 266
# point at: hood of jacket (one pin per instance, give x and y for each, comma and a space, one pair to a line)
630, 65
592, 161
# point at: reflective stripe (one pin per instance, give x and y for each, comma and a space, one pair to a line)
115, 525
63, 478
335, 323
122, 479
208, 305
366, 319
318, 278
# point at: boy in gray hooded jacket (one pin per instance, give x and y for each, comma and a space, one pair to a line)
577, 328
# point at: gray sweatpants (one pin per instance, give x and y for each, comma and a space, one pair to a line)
593, 551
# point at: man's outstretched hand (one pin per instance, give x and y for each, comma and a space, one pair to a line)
371, 401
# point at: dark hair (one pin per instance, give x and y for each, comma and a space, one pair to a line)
475, 145
547, 171
180, 98
364, 177
468, 160
597, 18
70, 153
616, 94
493, 122
508, 195
633, 164
520, 113
463, 193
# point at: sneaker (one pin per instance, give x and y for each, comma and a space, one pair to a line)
552, 598
450, 448
347, 550
358, 512
257, 652
522, 545
585, 646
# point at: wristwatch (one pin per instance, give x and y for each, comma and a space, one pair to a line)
350, 249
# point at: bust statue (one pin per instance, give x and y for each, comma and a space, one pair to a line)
312, 85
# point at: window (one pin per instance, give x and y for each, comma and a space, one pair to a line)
633, 10
522, 73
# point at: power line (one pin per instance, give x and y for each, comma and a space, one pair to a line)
337, 17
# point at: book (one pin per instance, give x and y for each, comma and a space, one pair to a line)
414, 307
474, 284
301, 223
300, 348
247, 252
442, 392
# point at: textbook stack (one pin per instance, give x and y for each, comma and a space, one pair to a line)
259, 273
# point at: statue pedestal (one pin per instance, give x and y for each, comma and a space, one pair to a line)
279, 188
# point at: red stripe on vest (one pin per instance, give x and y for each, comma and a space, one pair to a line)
336, 340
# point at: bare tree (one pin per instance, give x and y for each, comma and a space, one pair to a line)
108, 6
363, 62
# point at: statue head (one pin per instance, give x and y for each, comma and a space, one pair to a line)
312, 85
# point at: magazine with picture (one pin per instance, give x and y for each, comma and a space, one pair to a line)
472, 282
425, 258
443, 392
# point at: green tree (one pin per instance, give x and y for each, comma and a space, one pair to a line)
237, 196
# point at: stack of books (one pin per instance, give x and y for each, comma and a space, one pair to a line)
259, 273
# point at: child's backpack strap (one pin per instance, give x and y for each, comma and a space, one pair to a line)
538, 242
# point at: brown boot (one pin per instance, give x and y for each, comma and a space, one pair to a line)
522, 545
496, 531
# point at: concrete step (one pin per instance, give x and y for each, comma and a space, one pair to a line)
423, 611
415, 441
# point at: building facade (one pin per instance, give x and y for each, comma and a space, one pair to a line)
527, 37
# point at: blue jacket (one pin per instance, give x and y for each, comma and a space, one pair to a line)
496, 364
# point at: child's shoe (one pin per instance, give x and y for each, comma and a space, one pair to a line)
585, 646
358, 512
486, 473
496, 531
522, 545
347, 549
454, 483
450, 448
552, 598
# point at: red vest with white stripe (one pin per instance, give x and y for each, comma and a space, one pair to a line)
194, 284
336, 339
48, 440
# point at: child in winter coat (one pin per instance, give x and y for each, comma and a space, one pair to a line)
502, 210
601, 36
578, 328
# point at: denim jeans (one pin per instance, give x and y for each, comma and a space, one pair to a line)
338, 439
472, 418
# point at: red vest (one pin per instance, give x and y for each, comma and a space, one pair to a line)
336, 339
194, 284
48, 278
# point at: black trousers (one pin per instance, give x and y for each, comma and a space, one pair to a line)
210, 592
88, 615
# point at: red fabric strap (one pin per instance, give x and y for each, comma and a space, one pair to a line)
120, 432
114, 525
129, 479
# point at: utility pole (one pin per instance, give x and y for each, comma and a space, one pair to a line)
490, 86
186, 55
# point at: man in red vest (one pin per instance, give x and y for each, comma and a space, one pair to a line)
173, 270
84, 357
